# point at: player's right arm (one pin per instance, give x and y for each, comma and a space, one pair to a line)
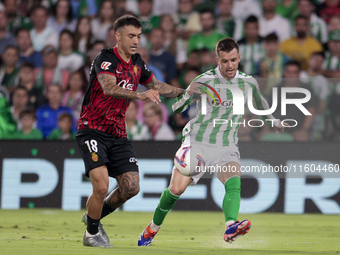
109, 85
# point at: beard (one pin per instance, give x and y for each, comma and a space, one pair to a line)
301, 34
11, 15
226, 75
316, 69
207, 29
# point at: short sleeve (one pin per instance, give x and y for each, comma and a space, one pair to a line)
103, 64
146, 75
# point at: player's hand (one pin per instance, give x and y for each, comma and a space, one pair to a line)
281, 127
151, 94
194, 88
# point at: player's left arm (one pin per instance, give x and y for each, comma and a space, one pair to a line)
262, 104
164, 89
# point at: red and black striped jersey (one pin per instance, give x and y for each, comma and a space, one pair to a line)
105, 113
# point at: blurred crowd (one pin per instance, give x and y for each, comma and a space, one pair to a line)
47, 47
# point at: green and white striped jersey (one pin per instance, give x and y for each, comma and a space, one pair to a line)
318, 28
203, 128
138, 132
251, 54
332, 63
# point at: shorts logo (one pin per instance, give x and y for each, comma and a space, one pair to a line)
133, 159
235, 155
105, 65
94, 156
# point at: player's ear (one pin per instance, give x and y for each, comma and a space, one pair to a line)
217, 59
118, 36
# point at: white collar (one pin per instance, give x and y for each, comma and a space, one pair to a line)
314, 18
224, 80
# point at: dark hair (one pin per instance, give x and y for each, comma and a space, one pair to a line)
64, 115
300, 17
56, 85
127, 20
196, 51
69, 16
227, 45
27, 112
251, 19
84, 86
293, 63
69, 33
204, 50
35, 8
101, 6
12, 47
97, 42
207, 10
77, 35
20, 88
318, 53
20, 30
271, 38
27, 65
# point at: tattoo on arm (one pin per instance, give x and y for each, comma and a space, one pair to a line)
110, 87
164, 89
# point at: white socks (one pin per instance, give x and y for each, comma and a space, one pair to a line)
89, 235
154, 227
228, 223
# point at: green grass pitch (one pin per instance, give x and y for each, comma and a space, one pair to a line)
46, 231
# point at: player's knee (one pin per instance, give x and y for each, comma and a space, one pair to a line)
177, 191
132, 191
101, 191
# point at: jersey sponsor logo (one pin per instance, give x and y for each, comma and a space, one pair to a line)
94, 156
126, 85
227, 103
105, 65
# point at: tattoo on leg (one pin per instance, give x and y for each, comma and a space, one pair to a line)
128, 186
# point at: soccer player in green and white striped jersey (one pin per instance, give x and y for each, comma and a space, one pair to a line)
331, 64
217, 141
251, 47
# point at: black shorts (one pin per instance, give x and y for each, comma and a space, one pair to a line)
98, 148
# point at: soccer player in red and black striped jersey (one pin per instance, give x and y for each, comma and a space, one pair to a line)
114, 76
